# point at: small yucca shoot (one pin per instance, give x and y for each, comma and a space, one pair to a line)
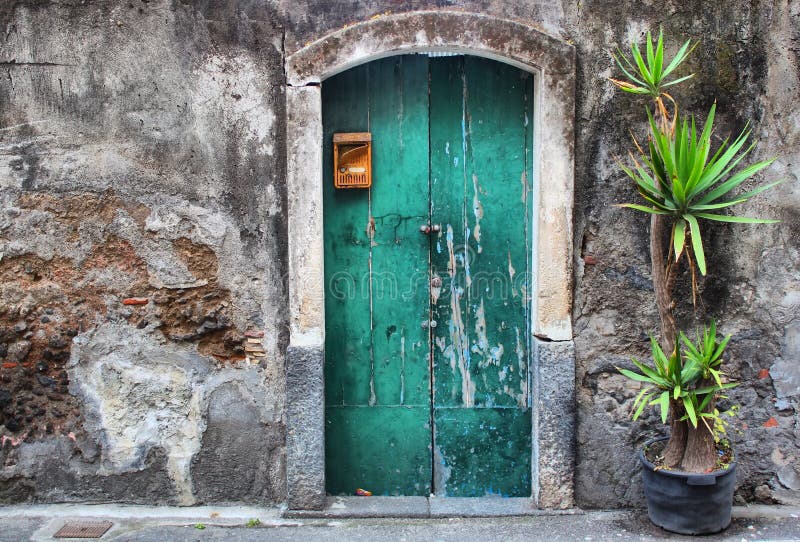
682, 377
651, 75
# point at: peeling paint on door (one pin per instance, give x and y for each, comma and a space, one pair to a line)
451, 413
477, 210
476, 192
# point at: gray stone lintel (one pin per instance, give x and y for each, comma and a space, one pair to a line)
305, 428
554, 423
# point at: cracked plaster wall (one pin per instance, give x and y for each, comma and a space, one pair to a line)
142, 234
170, 114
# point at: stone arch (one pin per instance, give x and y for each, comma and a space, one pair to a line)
553, 63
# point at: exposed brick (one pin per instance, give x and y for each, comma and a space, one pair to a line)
135, 301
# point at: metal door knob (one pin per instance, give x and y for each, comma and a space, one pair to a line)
429, 323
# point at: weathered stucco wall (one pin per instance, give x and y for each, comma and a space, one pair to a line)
142, 155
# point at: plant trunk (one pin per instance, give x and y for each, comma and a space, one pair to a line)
701, 450
676, 446
661, 283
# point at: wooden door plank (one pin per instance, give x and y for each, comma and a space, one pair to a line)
483, 451
399, 196
451, 356
378, 433
377, 449
495, 195
347, 250
496, 200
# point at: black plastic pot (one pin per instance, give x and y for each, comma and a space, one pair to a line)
688, 503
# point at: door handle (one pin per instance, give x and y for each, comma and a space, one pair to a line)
428, 323
430, 228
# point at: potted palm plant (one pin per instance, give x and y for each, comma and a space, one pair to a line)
683, 181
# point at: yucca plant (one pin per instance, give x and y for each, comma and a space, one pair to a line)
706, 355
677, 377
683, 181
685, 384
666, 379
651, 75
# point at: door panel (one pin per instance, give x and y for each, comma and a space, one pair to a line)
399, 125
377, 370
452, 382
347, 253
410, 410
385, 449
482, 452
480, 195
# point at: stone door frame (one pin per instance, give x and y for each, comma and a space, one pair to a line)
552, 62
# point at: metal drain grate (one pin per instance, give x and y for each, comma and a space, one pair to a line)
83, 529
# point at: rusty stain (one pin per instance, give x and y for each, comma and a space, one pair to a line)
370, 231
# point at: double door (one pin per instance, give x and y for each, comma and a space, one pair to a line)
427, 277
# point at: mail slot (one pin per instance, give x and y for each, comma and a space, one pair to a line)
352, 160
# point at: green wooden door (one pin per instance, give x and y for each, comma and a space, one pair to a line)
426, 362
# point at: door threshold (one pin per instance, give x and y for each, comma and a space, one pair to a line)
426, 507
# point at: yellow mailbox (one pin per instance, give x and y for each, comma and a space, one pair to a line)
352, 160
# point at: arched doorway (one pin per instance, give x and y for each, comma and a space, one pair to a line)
427, 279
548, 330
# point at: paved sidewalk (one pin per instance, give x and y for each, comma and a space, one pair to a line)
230, 524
